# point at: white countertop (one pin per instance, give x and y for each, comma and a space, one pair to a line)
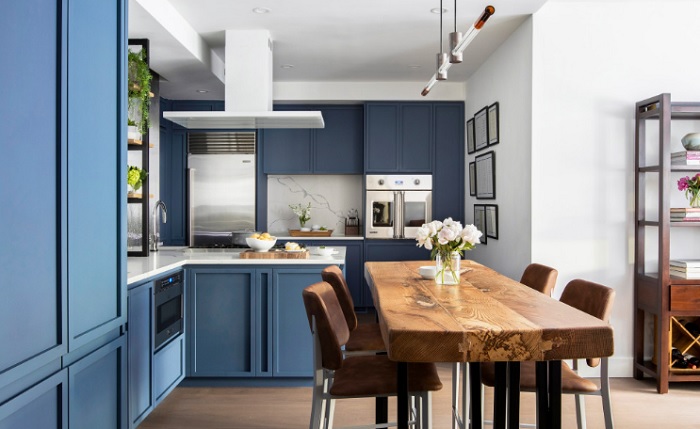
283, 237
168, 258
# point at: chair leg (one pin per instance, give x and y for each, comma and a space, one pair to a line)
465, 396
426, 412
317, 399
605, 393
580, 411
455, 393
330, 410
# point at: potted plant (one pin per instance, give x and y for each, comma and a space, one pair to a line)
135, 177
133, 133
139, 90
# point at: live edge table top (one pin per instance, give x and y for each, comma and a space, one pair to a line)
487, 317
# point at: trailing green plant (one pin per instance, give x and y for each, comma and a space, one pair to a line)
140, 88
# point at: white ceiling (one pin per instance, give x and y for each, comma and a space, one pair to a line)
325, 41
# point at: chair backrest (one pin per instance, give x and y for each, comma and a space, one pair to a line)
332, 330
592, 298
540, 277
334, 276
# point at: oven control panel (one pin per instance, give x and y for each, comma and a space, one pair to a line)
418, 182
168, 282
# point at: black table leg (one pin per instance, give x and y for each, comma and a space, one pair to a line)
402, 396
381, 410
475, 396
499, 395
555, 394
542, 395
513, 395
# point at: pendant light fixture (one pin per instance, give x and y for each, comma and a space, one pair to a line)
441, 72
455, 38
459, 47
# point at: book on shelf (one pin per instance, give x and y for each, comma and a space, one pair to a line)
685, 214
684, 263
687, 155
685, 275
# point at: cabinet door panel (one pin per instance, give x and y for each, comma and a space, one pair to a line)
173, 184
416, 138
42, 406
32, 300
168, 367
448, 179
381, 137
97, 388
96, 121
292, 341
221, 321
286, 151
140, 338
338, 147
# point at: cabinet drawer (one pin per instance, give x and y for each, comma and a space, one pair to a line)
168, 367
685, 298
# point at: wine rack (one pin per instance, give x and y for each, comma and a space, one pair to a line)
686, 342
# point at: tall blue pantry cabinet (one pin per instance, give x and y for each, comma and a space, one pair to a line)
62, 221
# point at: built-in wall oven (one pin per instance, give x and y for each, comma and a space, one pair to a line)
397, 205
169, 310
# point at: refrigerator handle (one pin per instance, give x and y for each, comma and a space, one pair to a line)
190, 209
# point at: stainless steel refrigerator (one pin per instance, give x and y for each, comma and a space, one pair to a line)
221, 187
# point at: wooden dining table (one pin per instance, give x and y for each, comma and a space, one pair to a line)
487, 317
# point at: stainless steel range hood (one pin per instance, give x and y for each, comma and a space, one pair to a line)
248, 96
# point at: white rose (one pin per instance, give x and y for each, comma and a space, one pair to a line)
471, 235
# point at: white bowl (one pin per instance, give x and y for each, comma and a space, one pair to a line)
325, 251
260, 245
427, 272
691, 141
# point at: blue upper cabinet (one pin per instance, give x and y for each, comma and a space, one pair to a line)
398, 137
96, 115
32, 301
173, 183
335, 149
448, 175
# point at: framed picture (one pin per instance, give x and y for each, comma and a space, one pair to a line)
481, 129
486, 176
493, 124
470, 136
480, 220
472, 179
492, 221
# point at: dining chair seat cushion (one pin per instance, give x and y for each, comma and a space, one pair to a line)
367, 336
376, 375
570, 381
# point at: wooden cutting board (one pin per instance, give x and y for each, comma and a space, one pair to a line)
274, 254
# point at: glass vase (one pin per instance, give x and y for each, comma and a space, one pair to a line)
447, 268
694, 199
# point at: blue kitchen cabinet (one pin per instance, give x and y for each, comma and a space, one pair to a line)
97, 388
96, 159
168, 368
33, 307
221, 322
173, 186
292, 343
44, 405
448, 172
140, 341
335, 149
398, 137
391, 250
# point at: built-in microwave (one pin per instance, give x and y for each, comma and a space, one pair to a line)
397, 205
169, 308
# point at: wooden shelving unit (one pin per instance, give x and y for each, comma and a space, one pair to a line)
658, 296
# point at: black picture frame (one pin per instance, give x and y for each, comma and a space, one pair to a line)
471, 148
486, 176
481, 129
493, 124
480, 220
491, 221
472, 179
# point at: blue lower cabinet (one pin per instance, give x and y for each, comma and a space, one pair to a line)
97, 389
43, 406
140, 340
168, 368
220, 322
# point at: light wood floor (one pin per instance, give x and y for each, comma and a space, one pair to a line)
635, 405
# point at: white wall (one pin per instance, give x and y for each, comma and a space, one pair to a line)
506, 77
591, 62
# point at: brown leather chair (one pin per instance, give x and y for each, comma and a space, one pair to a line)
536, 276
365, 338
337, 376
596, 300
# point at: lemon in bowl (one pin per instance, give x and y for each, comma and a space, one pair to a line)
261, 242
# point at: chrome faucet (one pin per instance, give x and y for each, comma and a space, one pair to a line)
155, 230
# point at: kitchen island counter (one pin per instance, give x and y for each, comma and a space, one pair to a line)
169, 258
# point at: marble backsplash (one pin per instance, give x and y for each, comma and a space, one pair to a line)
331, 197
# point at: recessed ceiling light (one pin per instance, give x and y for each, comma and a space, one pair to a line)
261, 10
202, 91
287, 66
413, 66
436, 10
